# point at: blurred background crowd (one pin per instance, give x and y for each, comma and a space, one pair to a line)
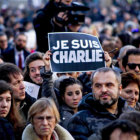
106, 19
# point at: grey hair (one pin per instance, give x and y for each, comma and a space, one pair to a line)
124, 49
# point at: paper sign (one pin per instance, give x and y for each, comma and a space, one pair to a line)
75, 52
32, 89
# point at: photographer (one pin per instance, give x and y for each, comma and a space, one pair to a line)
54, 17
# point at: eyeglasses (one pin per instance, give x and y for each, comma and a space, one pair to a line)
133, 65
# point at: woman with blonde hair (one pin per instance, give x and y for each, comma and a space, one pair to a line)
44, 117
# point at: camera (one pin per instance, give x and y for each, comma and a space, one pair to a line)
75, 12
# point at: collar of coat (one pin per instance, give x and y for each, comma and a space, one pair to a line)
63, 134
88, 102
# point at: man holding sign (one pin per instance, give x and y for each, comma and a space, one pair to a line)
75, 52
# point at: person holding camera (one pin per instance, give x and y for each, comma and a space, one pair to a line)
55, 17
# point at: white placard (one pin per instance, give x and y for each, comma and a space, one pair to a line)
32, 89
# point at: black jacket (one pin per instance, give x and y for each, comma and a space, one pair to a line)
86, 82
66, 114
6, 130
9, 56
43, 24
92, 117
47, 86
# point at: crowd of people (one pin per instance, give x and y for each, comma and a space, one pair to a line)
38, 104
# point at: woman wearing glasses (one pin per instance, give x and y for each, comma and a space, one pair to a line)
44, 117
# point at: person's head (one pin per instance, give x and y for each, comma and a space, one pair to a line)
7, 106
131, 61
71, 91
130, 88
13, 75
109, 44
130, 25
131, 116
33, 63
125, 38
107, 30
20, 41
106, 86
5, 98
120, 130
122, 53
44, 116
28, 25
3, 41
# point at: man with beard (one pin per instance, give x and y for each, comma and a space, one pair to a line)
17, 54
99, 108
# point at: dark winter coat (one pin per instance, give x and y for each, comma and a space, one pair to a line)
86, 83
47, 86
92, 117
43, 24
6, 130
66, 114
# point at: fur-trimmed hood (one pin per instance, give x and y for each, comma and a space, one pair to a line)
29, 133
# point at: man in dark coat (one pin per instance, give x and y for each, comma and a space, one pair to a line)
100, 107
18, 53
49, 20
